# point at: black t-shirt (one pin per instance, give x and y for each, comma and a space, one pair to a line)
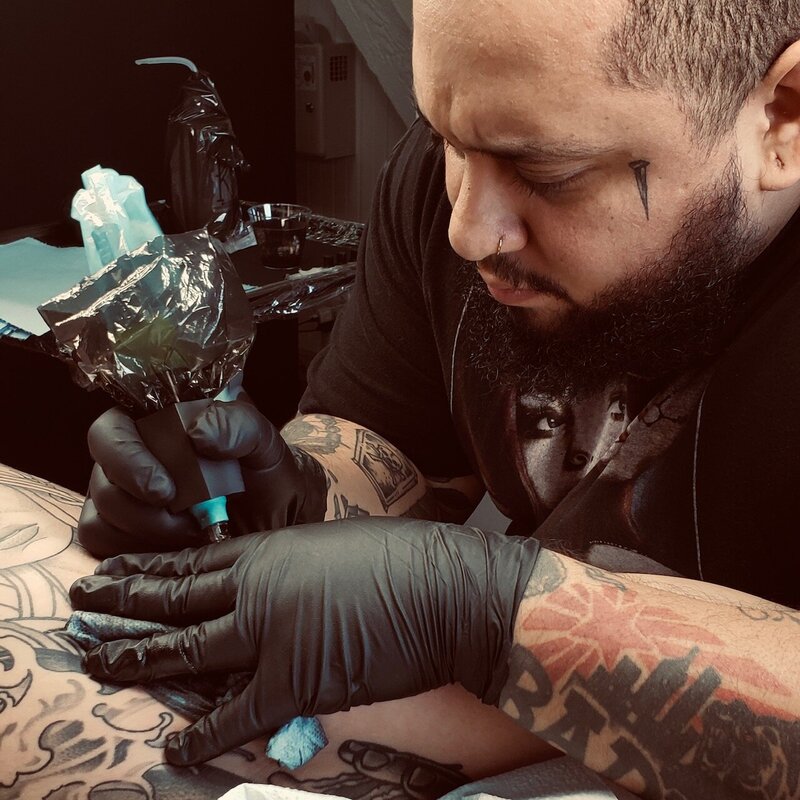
702, 480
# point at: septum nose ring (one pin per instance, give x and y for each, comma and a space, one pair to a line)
499, 245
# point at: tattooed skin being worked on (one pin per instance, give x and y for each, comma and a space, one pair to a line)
65, 736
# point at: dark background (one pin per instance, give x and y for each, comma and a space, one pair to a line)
72, 97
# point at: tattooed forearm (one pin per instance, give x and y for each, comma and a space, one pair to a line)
640, 171
388, 470
664, 694
316, 434
363, 470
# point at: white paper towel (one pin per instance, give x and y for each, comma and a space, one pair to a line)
262, 791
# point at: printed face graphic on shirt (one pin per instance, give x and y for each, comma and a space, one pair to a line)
560, 443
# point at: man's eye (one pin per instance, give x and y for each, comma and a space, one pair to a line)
547, 188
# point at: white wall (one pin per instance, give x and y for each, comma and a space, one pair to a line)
343, 187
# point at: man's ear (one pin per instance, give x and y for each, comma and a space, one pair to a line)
782, 137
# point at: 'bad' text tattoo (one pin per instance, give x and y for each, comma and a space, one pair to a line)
644, 693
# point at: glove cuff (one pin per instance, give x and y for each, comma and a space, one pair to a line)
510, 561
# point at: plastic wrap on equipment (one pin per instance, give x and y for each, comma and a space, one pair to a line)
203, 156
165, 323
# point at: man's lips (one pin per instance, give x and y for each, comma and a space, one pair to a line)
507, 293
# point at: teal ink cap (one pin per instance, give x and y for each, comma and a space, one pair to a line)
212, 516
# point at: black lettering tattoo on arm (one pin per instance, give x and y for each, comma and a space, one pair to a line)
640, 171
651, 703
667, 729
771, 614
388, 470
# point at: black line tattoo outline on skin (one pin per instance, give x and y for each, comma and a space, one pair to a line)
388, 470
548, 574
640, 171
314, 433
343, 509
381, 773
601, 576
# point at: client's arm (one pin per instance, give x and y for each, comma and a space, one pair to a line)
61, 728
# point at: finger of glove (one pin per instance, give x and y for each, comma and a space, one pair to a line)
129, 513
191, 561
115, 444
237, 430
102, 539
208, 647
176, 601
240, 720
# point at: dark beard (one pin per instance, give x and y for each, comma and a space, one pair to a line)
673, 314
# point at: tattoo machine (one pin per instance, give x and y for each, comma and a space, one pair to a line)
164, 329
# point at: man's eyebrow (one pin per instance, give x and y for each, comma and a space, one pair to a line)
538, 152
547, 152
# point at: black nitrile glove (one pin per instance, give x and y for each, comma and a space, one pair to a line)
327, 617
125, 509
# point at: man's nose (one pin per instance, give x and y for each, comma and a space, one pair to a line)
485, 211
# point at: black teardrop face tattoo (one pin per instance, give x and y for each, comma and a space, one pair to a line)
640, 170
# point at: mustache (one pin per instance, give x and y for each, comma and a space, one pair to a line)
509, 270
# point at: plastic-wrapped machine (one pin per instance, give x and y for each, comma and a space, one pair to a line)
203, 156
163, 329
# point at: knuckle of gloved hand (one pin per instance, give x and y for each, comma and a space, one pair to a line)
93, 593
211, 430
106, 433
120, 660
228, 429
131, 466
94, 534
154, 483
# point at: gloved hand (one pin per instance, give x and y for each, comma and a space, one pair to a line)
326, 616
125, 509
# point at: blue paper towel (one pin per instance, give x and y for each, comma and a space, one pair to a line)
292, 746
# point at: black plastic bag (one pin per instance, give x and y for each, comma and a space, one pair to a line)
203, 157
